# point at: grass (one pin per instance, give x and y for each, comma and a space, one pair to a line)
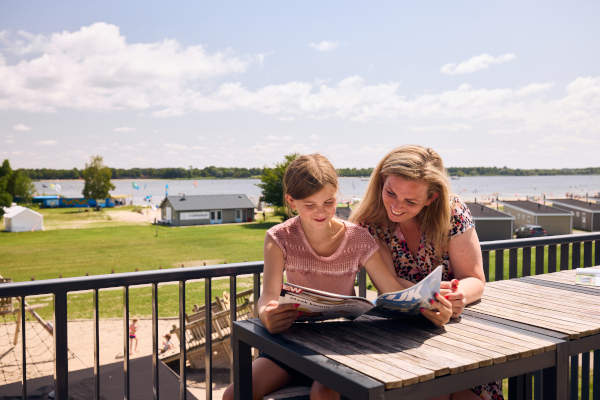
77, 252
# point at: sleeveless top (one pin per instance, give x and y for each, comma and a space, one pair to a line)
335, 273
414, 267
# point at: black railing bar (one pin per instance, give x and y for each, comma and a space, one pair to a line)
27, 288
232, 316
23, 348
182, 344
155, 361
585, 375
538, 241
256, 290
61, 350
126, 391
96, 347
208, 341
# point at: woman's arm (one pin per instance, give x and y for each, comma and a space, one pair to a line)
467, 267
275, 317
380, 268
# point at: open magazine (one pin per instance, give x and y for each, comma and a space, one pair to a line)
319, 305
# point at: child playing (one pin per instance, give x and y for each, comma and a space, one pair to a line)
166, 344
132, 335
315, 250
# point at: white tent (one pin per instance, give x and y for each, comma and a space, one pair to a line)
22, 219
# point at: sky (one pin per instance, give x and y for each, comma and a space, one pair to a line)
243, 83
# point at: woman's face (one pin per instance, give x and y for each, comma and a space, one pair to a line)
403, 198
318, 208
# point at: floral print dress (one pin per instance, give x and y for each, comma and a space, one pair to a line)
414, 267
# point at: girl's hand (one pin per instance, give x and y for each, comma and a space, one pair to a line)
278, 317
441, 312
451, 292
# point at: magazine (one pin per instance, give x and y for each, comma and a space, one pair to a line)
318, 305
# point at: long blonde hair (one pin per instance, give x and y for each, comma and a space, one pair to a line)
415, 163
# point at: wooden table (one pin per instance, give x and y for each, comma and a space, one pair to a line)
551, 302
373, 358
519, 326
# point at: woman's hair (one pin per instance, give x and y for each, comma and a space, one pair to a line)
415, 163
308, 174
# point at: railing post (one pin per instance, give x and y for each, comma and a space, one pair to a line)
552, 258
232, 316
208, 341
182, 350
576, 255
23, 348
512, 263
526, 261
539, 260
587, 254
61, 350
499, 272
485, 254
564, 256
256, 292
155, 361
96, 347
126, 342
362, 282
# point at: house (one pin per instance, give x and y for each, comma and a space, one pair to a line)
554, 220
491, 224
206, 209
343, 212
586, 215
22, 219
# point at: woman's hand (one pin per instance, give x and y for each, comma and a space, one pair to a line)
450, 291
441, 312
278, 317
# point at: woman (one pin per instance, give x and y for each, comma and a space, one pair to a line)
419, 225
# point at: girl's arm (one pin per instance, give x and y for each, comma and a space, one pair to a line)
467, 266
275, 317
380, 268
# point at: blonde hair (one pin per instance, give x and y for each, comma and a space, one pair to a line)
415, 163
308, 174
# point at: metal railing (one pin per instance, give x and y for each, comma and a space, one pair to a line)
563, 252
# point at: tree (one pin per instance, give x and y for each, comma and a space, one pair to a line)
20, 186
5, 197
97, 179
272, 183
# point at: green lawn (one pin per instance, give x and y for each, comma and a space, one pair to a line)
75, 252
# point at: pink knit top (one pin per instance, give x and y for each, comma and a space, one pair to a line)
335, 273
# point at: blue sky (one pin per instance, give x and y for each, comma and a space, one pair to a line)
156, 84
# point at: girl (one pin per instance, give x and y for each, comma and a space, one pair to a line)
409, 210
315, 250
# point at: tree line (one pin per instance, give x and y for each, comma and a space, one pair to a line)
235, 172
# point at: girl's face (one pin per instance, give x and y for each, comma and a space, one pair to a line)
404, 199
318, 208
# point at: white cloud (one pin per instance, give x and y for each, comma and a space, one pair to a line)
324, 45
476, 63
46, 142
124, 129
176, 146
95, 68
21, 128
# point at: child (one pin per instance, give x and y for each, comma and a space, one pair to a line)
132, 335
315, 250
166, 344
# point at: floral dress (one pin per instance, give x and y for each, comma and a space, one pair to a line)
414, 267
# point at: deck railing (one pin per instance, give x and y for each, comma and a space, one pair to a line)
551, 253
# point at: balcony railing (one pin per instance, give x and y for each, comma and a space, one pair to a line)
550, 254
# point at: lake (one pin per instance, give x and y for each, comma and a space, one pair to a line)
481, 188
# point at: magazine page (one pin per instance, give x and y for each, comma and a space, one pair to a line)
318, 305
409, 301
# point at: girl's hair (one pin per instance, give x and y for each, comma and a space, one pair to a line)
308, 174
415, 163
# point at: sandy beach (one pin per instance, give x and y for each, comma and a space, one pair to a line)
81, 346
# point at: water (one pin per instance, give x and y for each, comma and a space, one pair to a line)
481, 188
